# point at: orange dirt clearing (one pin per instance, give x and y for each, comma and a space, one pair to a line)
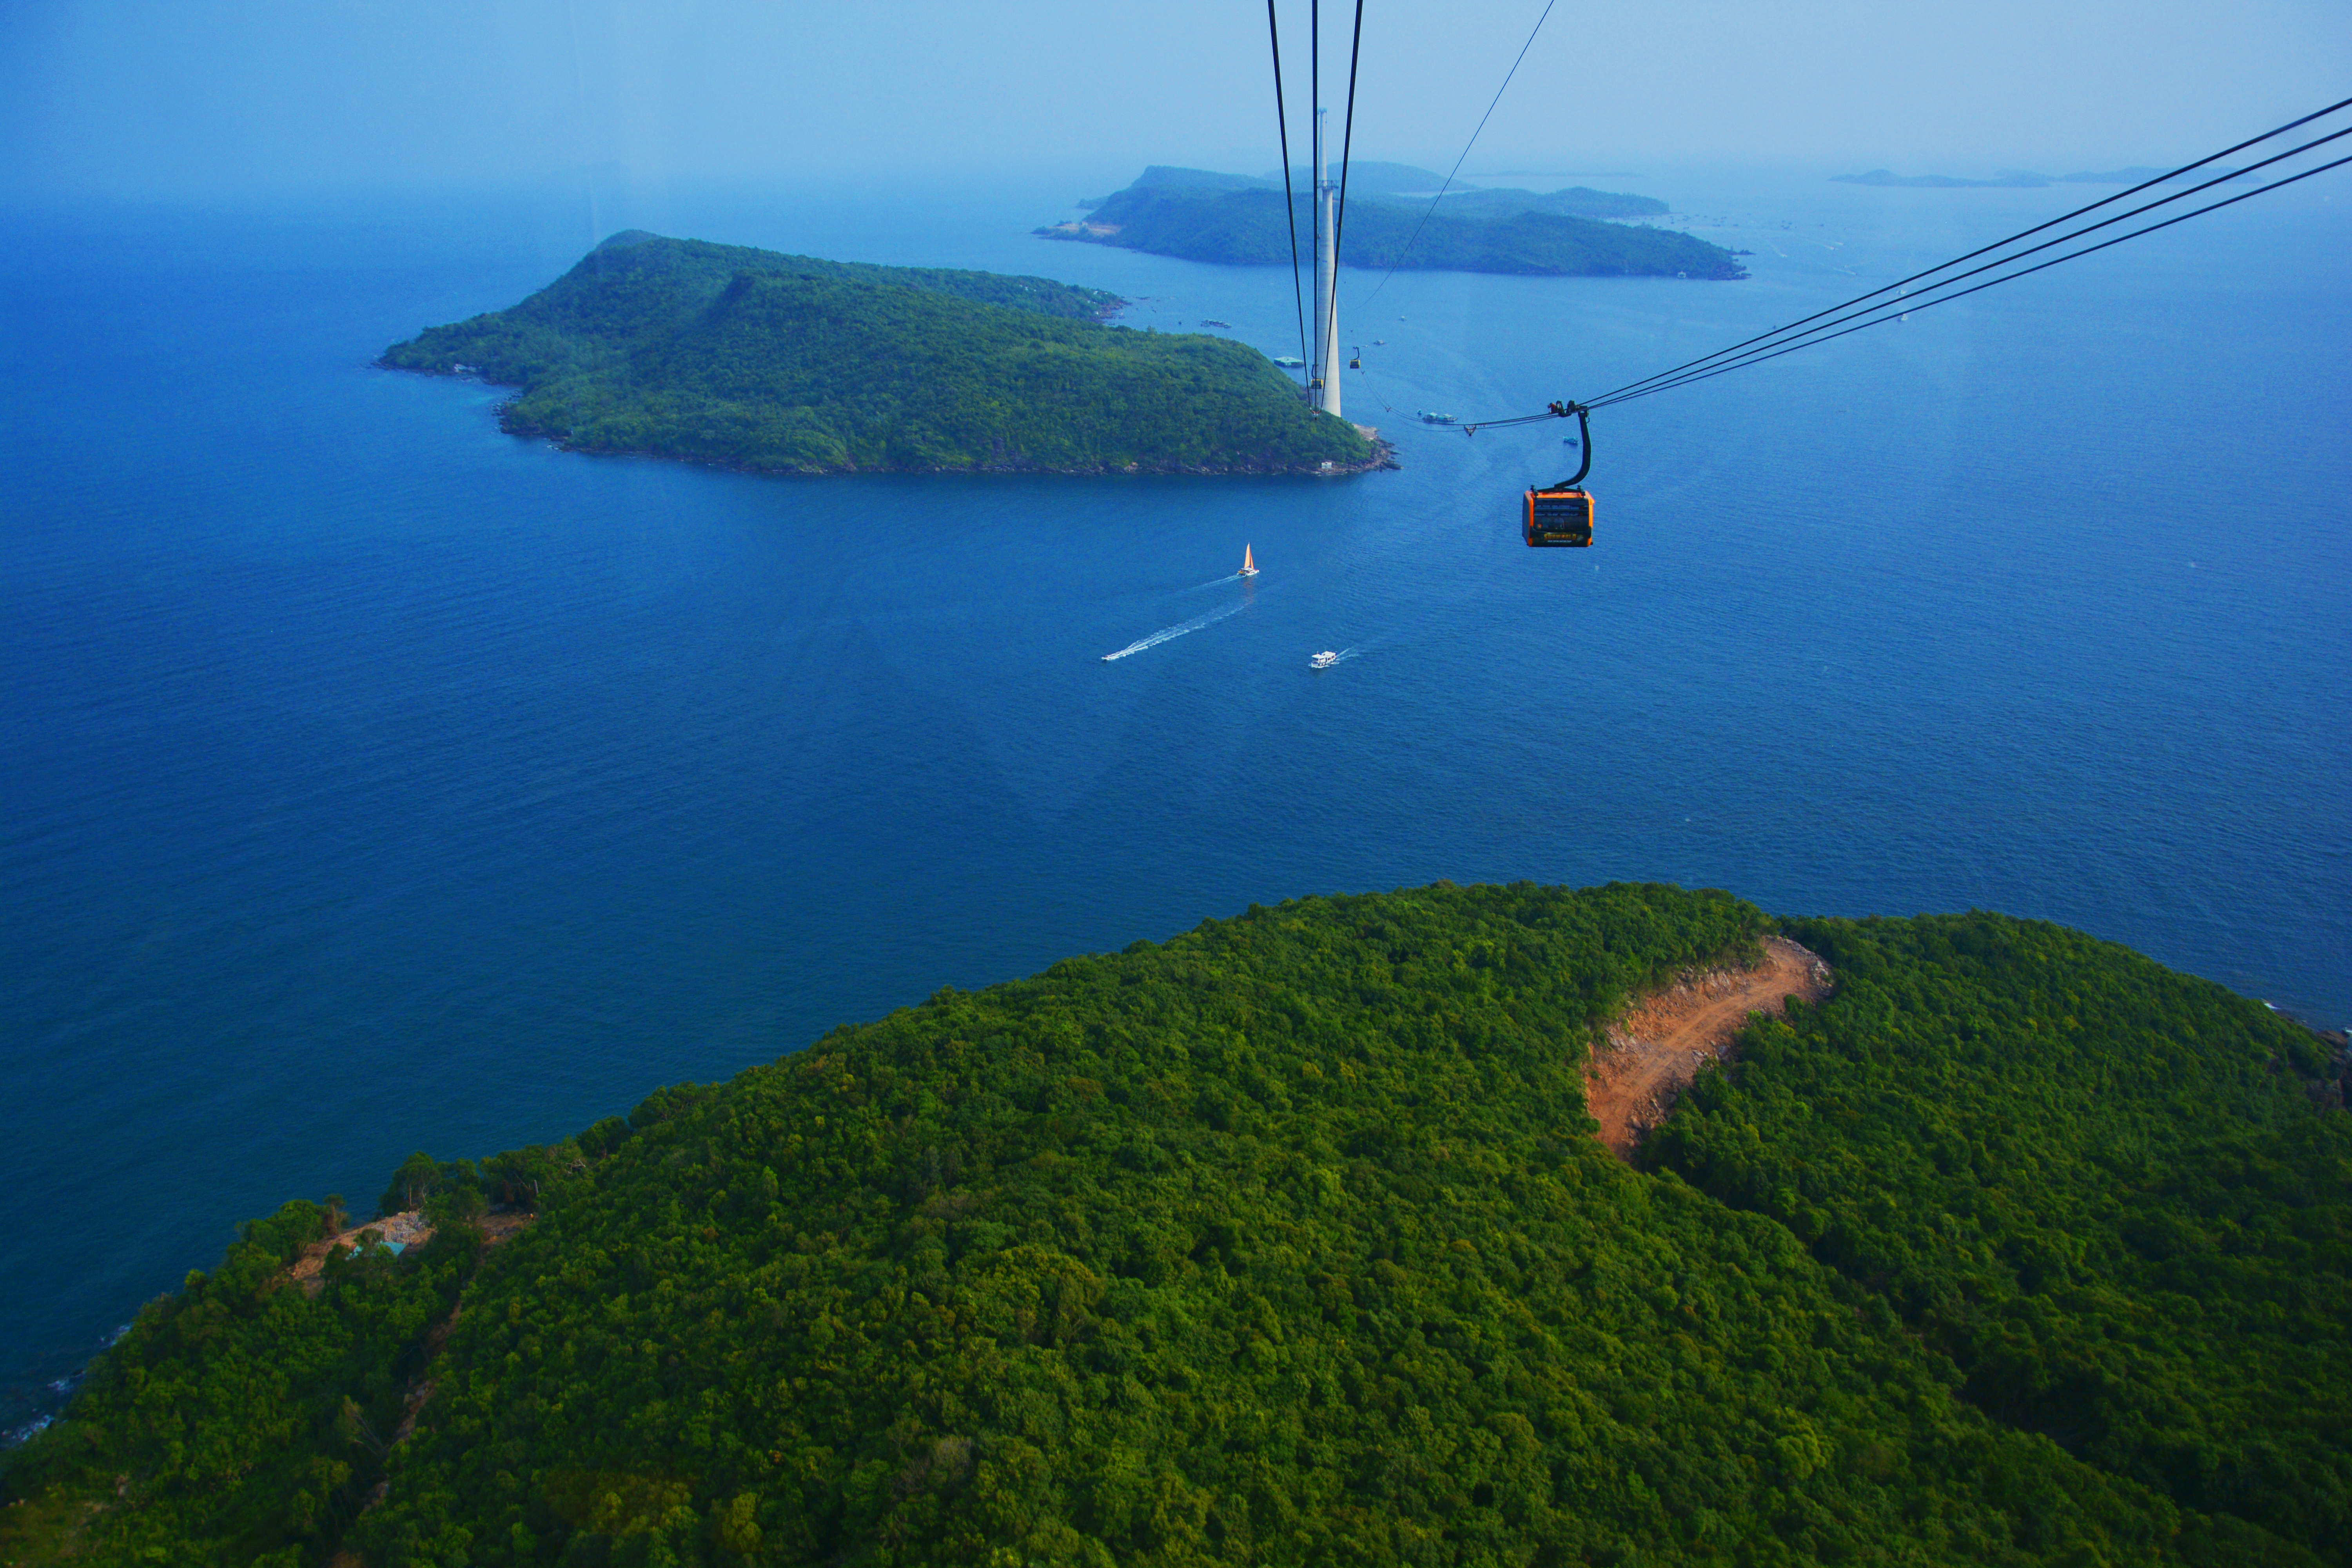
409, 1228
1657, 1048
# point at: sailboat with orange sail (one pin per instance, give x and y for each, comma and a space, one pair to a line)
1249, 566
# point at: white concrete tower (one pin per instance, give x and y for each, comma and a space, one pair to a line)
1324, 366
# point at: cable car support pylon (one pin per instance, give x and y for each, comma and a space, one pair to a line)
1327, 203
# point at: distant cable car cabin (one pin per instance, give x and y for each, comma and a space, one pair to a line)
1560, 515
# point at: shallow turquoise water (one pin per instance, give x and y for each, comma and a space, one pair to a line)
377, 781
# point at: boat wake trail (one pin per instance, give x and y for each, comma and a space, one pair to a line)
1169, 634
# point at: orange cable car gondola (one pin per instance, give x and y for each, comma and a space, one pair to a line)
1562, 515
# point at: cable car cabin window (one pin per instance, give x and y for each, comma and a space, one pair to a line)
1557, 517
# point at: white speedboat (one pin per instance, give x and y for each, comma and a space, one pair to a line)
1323, 660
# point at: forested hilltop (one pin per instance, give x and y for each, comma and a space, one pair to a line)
1288, 1241
1205, 216
685, 349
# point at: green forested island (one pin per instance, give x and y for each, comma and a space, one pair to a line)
1288, 1241
680, 348
1200, 216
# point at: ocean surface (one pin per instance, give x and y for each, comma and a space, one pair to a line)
375, 781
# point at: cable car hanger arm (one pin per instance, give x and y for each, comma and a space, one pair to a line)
1584, 439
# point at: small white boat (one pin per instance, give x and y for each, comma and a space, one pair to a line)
1249, 566
1323, 660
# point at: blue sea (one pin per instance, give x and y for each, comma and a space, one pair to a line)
375, 781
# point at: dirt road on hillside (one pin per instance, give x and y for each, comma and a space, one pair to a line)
1666, 1038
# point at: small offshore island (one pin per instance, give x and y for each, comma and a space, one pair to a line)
721, 353
1302, 1237
1197, 214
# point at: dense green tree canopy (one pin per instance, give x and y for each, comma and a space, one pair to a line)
2098, 1186
685, 349
1558, 234
1288, 1241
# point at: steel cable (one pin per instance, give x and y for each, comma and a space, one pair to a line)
2023, 234
1289, 204
1459, 162
1906, 302
1346, 141
1788, 339
1900, 308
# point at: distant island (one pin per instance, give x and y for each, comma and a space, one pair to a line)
2009, 179
1378, 1229
681, 348
1199, 214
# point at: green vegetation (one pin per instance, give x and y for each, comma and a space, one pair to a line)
242, 1420
1224, 219
684, 349
2097, 1187
1575, 201
1288, 1241
1371, 179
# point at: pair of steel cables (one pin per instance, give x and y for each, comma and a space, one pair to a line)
1940, 285
1347, 141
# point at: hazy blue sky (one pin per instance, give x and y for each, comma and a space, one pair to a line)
188, 96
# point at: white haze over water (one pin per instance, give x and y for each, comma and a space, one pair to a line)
161, 98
